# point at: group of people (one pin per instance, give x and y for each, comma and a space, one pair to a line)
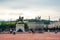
12, 31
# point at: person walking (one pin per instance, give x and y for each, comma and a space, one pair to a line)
11, 31
14, 32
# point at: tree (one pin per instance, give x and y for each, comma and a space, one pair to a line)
26, 26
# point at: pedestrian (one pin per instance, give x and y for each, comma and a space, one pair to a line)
32, 30
14, 32
11, 31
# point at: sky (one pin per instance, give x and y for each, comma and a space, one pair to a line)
12, 9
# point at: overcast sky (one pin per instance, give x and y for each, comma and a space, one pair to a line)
12, 9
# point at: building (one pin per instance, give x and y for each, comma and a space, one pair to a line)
20, 27
31, 23
35, 25
54, 24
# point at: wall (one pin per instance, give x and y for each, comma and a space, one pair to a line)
20, 26
55, 24
35, 25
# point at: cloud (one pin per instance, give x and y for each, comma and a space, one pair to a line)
29, 8
29, 3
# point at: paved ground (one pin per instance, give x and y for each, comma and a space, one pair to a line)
27, 36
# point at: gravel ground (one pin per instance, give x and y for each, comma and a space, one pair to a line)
30, 36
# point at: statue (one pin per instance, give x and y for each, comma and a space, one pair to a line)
20, 19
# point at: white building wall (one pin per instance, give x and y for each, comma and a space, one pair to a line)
55, 24
20, 26
35, 25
